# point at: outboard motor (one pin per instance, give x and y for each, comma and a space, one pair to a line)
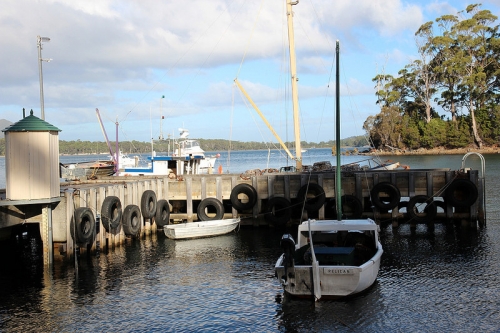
288, 246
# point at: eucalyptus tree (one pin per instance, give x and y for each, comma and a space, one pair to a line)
425, 77
385, 128
473, 35
444, 63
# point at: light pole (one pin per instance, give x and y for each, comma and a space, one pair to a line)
39, 41
161, 118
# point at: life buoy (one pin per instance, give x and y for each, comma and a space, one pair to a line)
132, 220
83, 226
389, 201
278, 211
313, 195
111, 212
461, 193
162, 217
148, 204
249, 191
206, 206
421, 208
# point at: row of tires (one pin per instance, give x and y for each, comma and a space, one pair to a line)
385, 196
113, 217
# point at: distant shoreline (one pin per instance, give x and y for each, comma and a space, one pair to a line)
377, 152
435, 151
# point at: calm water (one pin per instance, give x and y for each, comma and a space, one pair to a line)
446, 281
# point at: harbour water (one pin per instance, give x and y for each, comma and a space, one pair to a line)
444, 281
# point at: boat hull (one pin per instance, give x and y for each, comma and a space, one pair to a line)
200, 229
335, 281
88, 170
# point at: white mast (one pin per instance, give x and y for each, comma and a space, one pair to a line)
295, 93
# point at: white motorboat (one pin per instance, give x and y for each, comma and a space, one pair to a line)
339, 258
191, 148
200, 229
125, 161
332, 258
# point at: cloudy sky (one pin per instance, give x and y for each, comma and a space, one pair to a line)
122, 56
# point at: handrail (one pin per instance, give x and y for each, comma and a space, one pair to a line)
483, 164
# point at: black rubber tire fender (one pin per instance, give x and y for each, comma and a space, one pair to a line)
422, 216
461, 193
162, 217
247, 190
278, 211
111, 212
148, 204
318, 196
354, 203
394, 195
83, 226
205, 204
131, 220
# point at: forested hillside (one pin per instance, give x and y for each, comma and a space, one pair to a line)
450, 95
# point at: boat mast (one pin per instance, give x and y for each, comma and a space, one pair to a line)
338, 177
295, 93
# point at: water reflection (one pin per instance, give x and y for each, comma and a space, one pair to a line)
446, 280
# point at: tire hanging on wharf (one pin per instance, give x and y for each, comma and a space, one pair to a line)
313, 195
278, 211
111, 212
207, 206
461, 193
148, 204
82, 226
162, 217
390, 201
246, 190
354, 205
132, 221
352, 208
422, 209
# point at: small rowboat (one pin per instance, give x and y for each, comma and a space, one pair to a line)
200, 229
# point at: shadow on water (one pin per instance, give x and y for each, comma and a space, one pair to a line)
438, 281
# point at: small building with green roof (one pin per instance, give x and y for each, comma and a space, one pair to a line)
31, 159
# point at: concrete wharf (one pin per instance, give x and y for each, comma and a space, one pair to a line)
105, 212
385, 196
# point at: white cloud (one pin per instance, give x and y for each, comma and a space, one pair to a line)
122, 55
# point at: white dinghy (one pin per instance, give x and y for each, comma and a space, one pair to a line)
200, 229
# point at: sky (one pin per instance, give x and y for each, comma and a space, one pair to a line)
138, 61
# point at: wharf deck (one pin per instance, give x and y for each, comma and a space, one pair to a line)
295, 190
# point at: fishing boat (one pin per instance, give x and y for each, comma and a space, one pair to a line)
200, 229
331, 258
187, 158
87, 170
189, 147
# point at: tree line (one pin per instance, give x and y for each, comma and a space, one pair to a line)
215, 145
457, 70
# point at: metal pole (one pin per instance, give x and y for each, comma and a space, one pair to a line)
39, 41
161, 117
338, 170
39, 44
